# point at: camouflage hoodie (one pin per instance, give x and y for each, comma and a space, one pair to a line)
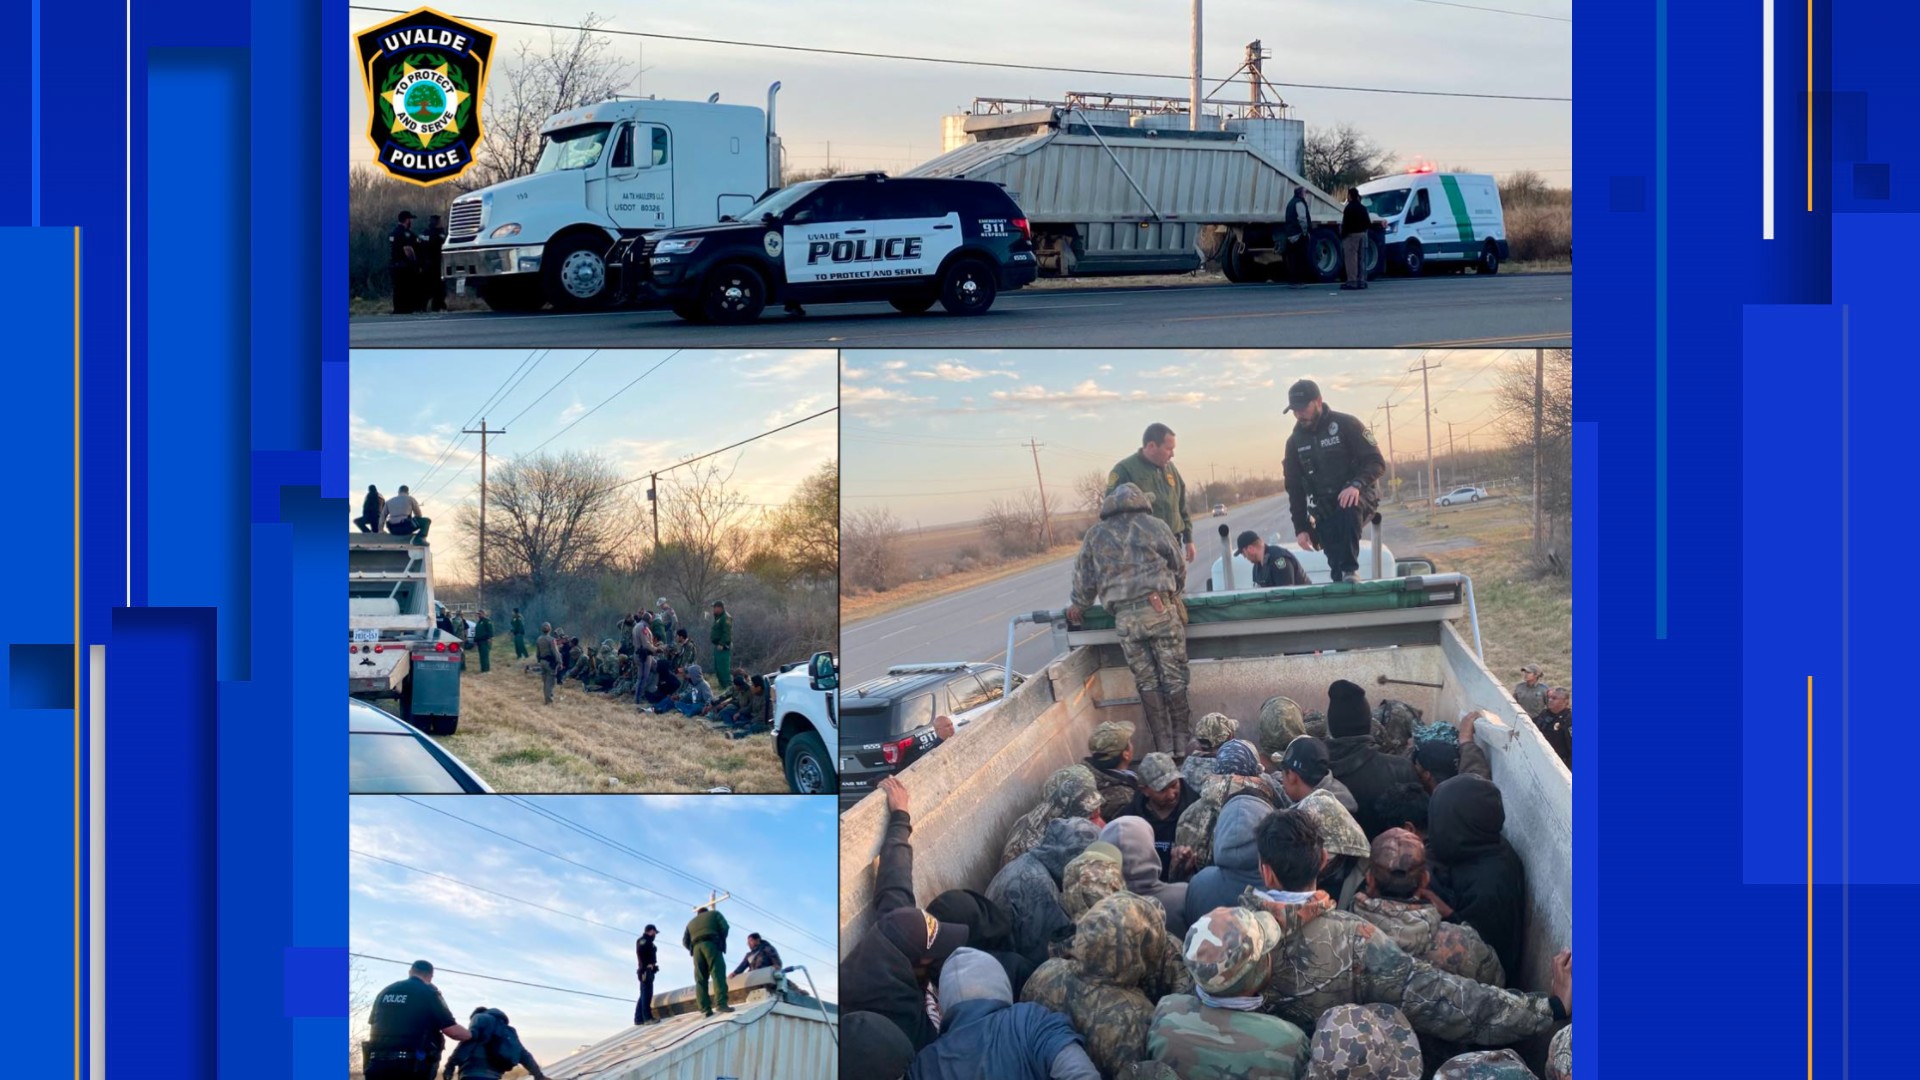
1341, 959
1099, 989
1195, 829
1420, 932
1069, 792
1128, 553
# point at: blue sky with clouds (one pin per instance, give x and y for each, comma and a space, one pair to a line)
936, 435
405, 408
779, 852
886, 114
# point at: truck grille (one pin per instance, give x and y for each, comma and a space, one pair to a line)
463, 221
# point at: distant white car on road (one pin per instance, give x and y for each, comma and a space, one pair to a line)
1460, 495
1219, 509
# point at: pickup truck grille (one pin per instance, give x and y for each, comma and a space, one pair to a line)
463, 221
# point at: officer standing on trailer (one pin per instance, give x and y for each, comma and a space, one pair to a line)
1331, 460
1130, 561
410, 1024
1152, 471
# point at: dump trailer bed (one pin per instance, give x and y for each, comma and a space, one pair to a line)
1103, 199
1397, 639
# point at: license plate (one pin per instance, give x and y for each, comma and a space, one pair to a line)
366, 635
460, 285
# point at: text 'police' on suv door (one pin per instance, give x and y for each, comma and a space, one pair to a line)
910, 242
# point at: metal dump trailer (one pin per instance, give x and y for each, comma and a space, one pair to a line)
1106, 199
1395, 637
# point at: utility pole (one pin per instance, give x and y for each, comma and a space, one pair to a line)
1426, 398
1453, 462
1046, 520
713, 900
481, 588
1193, 86
1393, 486
653, 500
1539, 395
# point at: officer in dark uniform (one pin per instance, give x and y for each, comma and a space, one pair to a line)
1331, 465
403, 263
648, 956
410, 1025
433, 287
1273, 567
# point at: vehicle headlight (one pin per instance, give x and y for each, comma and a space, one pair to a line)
509, 229
1391, 225
677, 247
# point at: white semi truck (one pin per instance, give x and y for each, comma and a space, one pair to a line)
608, 172
395, 649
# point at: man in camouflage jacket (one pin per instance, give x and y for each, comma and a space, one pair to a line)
1210, 732
1400, 904
1131, 563
1069, 792
1218, 1033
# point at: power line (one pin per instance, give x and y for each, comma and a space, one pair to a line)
961, 62
609, 400
484, 889
491, 978
724, 449
556, 386
1497, 11
455, 444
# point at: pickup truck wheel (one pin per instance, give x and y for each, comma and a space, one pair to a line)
1414, 259
733, 294
1489, 260
520, 296
575, 273
912, 303
808, 770
967, 288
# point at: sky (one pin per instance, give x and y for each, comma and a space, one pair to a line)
406, 407
886, 113
935, 435
780, 852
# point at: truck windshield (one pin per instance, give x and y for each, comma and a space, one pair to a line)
779, 201
573, 148
1386, 204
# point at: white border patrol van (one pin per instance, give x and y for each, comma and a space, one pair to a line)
1435, 220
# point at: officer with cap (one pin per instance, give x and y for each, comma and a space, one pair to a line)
722, 639
1530, 692
1331, 466
647, 958
1273, 567
403, 264
409, 1023
1110, 756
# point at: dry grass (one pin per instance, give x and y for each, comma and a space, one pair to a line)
1540, 231
867, 605
1526, 615
586, 743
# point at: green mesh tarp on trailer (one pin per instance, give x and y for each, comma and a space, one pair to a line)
1331, 599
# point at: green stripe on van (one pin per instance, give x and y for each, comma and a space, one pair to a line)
1458, 204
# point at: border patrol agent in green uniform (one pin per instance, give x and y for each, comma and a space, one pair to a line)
1151, 470
519, 628
483, 640
706, 939
722, 637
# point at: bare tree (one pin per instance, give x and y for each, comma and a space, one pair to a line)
1015, 524
870, 552
359, 1001
1341, 156
703, 526
1514, 400
573, 69
805, 532
1525, 188
550, 518
1089, 491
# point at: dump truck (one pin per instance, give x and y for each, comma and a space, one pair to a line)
395, 650
1103, 198
1396, 637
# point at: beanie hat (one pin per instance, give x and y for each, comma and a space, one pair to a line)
1347, 713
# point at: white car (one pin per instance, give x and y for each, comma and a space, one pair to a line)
1219, 509
1460, 495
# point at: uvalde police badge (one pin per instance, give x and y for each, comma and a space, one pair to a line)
426, 74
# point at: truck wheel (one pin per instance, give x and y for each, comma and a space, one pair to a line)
446, 725
967, 288
912, 303
520, 296
689, 310
406, 700
1373, 260
1415, 260
1489, 260
808, 770
1233, 262
575, 272
733, 294
1324, 255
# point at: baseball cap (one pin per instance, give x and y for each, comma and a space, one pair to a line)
1110, 738
1224, 949
1307, 756
1397, 858
1300, 393
1214, 729
1438, 757
1530, 669
1240, 542
1157, 770
921, 936
663, 601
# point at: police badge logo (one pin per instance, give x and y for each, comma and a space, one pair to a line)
1333, 427
426, 74
773, 244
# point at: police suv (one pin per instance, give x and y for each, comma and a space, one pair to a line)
908, 241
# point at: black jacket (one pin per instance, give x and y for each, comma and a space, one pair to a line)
876, 976
372, 505
1279, 568
1334, 453
1477, 871
1355, 219
646, 954
1163, 830
1374, 778
989, 929
1299, 217
1558, 729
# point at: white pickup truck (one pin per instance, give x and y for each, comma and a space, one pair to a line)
608, 172
805, 706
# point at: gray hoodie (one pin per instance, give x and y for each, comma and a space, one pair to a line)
1236, 858
1028, 888
1140, 865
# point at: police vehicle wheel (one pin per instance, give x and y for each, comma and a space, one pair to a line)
912, 303
689, 310
1489, 260
967, 288
808, 770
1414, 258
733, 294
575, 269
510, 295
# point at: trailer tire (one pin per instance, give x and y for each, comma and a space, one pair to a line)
967, 287
1489, 259
1374, 261
1324, 256
1413, 258
515, 296
1233, 262
733, 293
575, 274
915, 303
808, 770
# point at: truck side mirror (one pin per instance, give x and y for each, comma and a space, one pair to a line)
821, 674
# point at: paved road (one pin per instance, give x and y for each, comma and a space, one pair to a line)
972, 625
1465, 310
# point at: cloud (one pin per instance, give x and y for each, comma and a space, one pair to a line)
1089, 393
366, 439
571, 412
785, 367
894, 365
950, 371
866, 395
